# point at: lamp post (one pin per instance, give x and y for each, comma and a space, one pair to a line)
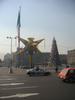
10, 70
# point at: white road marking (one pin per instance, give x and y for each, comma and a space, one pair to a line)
6, 79
11, 84
20, 88
19, 95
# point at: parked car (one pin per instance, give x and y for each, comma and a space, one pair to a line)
67, 74
38, 72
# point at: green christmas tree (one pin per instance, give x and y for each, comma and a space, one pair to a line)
55, 60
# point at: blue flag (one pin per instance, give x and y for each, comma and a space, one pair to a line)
18, 20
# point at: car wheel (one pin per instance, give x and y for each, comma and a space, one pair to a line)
64, 80
30, 75
46, 74
70, 80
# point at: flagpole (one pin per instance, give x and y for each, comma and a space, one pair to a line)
18, 33
18, 26
19, 38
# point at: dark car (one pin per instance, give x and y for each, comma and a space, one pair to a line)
38, 72
67, 74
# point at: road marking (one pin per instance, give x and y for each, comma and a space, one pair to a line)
6, 79
19, 95
20, 88
11, 84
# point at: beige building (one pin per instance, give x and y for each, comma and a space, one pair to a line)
71, 57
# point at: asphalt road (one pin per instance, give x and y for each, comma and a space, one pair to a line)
23, 87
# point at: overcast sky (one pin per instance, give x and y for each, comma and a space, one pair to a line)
39, 19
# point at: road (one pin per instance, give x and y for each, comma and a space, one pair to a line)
23, 87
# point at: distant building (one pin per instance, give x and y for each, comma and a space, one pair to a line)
7, 60
71, 57
63, 59
42, 58
37, 59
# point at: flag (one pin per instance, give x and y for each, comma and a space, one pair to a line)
18, 20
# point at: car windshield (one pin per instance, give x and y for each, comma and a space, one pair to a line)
65, 71
72, 71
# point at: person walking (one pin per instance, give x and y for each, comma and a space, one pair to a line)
56, 69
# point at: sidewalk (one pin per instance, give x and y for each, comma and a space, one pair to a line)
16, 71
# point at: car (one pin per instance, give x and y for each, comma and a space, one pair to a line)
67, 74
28, 70
38, 72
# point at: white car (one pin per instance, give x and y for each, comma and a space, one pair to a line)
38, 72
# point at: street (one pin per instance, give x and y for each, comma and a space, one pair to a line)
23, 87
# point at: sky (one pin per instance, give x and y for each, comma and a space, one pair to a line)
41, 19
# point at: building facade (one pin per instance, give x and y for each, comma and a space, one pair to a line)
71, 57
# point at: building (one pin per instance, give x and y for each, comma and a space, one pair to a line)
7, 60
71, 57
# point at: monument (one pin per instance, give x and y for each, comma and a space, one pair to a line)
30, 49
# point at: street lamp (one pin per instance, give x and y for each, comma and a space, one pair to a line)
10, 70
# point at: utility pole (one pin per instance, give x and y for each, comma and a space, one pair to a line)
10, 70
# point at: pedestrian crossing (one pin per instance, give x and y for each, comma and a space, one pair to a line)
20, 87
19, 95
10, 88
7, 84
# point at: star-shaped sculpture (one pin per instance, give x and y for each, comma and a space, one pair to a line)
31, 45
